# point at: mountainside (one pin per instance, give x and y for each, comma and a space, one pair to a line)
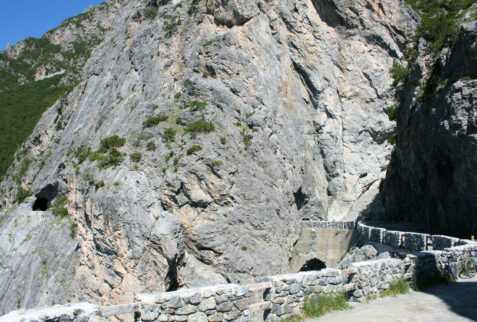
198, 135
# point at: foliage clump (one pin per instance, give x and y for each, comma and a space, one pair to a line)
151, 146
169, 134
193, 149
440, 20
59, 208
398, 73
392, 113
108, 155
195, 105
135, 156
199, 126
154, 120
22, 194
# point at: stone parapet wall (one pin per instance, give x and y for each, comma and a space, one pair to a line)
433, 252
281, 296
347, 225
408, 240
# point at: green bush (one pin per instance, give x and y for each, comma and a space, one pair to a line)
82, 153
111, 142
223, 140
105, 160
108, 155
154, 120
392, 113
150, 14
135, 156
200, 126
151, 146
169, 134
99, 184
398, 73
193, 149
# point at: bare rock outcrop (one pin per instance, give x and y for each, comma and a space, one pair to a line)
238, 118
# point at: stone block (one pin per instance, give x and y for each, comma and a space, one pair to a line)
207, 304
294, 288
224, 306
242, 304
186, 309
198, 317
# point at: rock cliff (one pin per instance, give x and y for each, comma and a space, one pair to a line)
432, 178
199, 135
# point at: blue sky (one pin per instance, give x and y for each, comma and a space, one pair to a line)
23, 18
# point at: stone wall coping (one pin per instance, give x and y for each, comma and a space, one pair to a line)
300, 275
69, 310
259, 286
206, 291
393, 261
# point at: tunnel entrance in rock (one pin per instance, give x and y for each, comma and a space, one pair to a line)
313, 264
301, 199
41, 204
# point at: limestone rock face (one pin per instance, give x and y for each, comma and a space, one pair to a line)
296, 92
432, 179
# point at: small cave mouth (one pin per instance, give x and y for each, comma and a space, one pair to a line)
313, 264
301, 199
41, 204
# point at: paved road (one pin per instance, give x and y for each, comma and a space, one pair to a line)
454, 302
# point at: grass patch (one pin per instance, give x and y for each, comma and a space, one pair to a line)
313, 308
396, 288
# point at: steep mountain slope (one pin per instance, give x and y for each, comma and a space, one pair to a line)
432, 179
36, 72
200, 134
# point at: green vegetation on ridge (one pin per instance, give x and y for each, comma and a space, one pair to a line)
22, 99
21, 106
440, 20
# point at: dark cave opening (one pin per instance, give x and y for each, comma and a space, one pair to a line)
41, 204
300, 199
313, 264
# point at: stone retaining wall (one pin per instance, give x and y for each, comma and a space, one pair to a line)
283, 295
